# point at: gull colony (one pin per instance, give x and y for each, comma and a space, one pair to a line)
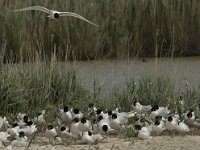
93, 125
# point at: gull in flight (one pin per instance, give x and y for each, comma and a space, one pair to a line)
54, 14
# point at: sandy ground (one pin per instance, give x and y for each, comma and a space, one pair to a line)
187, 142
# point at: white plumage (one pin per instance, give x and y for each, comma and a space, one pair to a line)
54, 14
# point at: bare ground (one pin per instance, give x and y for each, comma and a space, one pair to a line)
188, 142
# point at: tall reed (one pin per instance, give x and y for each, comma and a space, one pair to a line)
127, 28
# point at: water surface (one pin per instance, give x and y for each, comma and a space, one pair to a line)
113, 74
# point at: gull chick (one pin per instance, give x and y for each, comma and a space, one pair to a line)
54, 14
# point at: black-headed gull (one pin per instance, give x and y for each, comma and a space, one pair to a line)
89, 138
84, 125
54, 14
51, 133
143, 132
171, 123
66, 115
158, 127
141, 108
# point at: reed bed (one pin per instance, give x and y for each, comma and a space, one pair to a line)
128, 28
32, 87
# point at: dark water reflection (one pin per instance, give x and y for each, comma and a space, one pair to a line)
114, 73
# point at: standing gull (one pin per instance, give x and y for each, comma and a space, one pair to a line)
54, 14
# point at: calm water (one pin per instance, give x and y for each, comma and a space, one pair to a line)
114, 73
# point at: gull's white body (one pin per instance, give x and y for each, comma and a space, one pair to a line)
4, 123
40, 119
117, 124
3, 138
158, 129
86, 138
66, 133
51, 134
79, 115
141, 108
75, 130
182, 127
19, 143
29, 130
54, 14
171, 126
106, 122
162, 111
144, 133
66, 117
189, 120
83, 127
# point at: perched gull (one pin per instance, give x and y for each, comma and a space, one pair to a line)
54, 14
51, 133
143, 132
84, 125
89, 138
171, 123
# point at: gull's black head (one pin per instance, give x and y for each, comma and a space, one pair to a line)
158, 118
99, 111
114, 116
50, 127
189, 114
14, 125
25, 118
99, 118
91, 105
83, 120
157, 122
62, 128
76, 111
76, 120
66, 109
39, 114
89, 133
29, 123
21, 134
154, 108
56, 15
138, 127
170, 118
110, 112
105, 128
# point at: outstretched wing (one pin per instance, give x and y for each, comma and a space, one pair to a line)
76, 16
40, 8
